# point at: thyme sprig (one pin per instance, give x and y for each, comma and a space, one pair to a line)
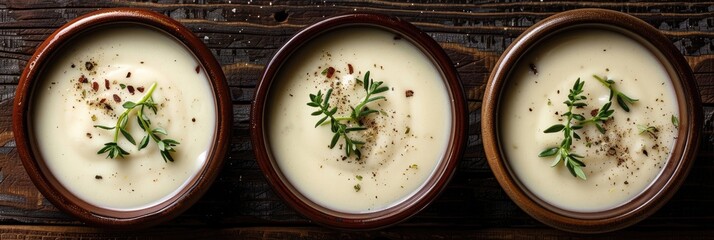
622, 99
166, 146
562, 153
341, 126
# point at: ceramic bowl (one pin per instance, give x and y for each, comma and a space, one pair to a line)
399, 30
674, 170
172, 204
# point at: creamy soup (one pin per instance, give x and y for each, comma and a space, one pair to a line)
86, 85
404, 142
620, 163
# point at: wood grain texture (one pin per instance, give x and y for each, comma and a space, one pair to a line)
244, 35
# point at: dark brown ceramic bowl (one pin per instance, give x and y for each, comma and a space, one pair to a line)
433, 185
34, 163
675, 169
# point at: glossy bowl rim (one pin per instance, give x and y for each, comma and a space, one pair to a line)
677, 167
59, 196
422, 197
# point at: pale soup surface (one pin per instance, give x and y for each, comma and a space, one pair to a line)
86, 85
405, 141
620, 163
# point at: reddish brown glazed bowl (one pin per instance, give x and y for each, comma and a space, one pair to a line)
433, 185
676, 168
49, 185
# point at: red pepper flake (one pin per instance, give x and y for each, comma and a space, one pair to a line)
409, 93
106, 83
103, 100
117, 98
128, 74
95, 86
83, 79
349, 67
141, 89
330, 72
131, 89
198, 69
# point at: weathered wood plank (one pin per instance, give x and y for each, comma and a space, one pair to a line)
12, 232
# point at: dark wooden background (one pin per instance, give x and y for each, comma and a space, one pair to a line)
245, 34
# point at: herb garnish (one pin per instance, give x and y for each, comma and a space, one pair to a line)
675, 121
571, 160
650, 130
622, 99
166, 146
337, 126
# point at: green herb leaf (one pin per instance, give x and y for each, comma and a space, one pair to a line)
554, 128
103, 127
548, 152
144, 142
160, 130
127, 136
129, 105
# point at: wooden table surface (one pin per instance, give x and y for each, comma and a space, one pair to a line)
244, 35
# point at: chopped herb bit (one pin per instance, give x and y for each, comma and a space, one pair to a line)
650, 130
675, 121
414, 166
359, 177
357, 187
123, 86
